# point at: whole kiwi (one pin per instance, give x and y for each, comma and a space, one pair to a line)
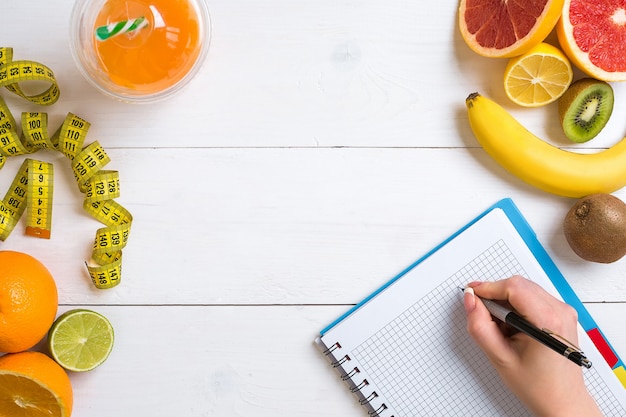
595, 228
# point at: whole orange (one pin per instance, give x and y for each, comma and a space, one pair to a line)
32, 384
28, 301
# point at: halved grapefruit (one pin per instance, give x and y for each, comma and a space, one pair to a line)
507, 28
592, 34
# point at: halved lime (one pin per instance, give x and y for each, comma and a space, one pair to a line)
80, 340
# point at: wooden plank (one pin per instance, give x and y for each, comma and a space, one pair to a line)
289, 226
305, 74
235, 361
219, 361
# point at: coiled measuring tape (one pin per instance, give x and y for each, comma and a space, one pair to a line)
14, 72
32, 187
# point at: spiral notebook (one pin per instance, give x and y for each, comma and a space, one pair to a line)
404, 350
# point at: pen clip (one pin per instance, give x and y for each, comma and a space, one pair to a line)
563, 339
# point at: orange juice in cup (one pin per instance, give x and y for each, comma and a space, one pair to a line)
139, 50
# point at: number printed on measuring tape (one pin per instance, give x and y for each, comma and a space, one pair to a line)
107, 275
39, 209
108, 212
110, 239
103, 185
10, 143
6, 118
35, 131
89, 161
69, 138
7, 221
12, 73
14, 201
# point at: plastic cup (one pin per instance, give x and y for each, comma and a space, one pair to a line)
139, 51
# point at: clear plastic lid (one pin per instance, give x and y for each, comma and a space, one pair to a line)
139, 50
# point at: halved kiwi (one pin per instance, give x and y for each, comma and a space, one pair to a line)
585, 109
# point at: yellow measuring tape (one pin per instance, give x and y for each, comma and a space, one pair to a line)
32, 187
14, 72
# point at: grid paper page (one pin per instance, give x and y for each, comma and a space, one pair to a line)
394, 355
416, 358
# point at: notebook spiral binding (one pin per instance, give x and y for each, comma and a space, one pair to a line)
359, 388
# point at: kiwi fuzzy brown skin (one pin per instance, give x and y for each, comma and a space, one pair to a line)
585, 108
595, 228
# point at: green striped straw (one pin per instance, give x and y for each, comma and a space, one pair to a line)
118, 28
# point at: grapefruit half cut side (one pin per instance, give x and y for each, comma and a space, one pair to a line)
507, 28
593, 36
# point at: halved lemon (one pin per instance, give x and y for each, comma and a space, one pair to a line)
538, 77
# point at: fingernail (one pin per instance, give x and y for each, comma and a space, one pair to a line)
469, 300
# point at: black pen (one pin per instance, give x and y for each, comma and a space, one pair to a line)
543, 336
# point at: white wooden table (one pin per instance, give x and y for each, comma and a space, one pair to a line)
323, 147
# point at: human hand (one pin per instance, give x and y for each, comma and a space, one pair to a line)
549, 384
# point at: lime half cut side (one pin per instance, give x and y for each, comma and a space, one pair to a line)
80, 340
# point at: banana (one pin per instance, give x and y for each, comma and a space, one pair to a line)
537, 162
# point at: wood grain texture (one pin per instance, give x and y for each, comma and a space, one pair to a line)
322, 148
227, 361
305, 74
289, 226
